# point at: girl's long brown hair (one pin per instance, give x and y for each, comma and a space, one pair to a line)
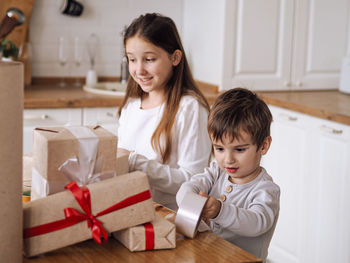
161, 31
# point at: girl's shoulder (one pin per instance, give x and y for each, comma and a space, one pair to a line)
189, 103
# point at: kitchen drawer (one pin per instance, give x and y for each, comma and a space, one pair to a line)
106, 117
33, 118
52, 117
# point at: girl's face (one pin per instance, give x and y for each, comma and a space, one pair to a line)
150, 66
240, 158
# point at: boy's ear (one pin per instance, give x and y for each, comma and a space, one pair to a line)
176, 57
266, 145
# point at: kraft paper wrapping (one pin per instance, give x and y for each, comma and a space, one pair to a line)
11, 111
122, 167
135, 240
56, 146
122, 164
103, 195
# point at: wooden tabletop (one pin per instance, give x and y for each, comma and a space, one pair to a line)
205, 247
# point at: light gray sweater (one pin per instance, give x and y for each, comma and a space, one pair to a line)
249, 214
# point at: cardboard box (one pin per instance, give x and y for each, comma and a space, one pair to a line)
122, 167
163, 235
63, 154
103, 194
11, 112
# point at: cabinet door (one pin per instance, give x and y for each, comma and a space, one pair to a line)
309, 159
320, 42
33, 118
329, 228
286, 162
262, 44
106, 117
286, 44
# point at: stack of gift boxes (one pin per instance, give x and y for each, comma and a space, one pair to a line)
80, 190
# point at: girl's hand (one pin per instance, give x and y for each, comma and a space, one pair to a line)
211, 208
121, 151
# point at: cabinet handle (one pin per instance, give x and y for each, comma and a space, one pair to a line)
36, 117
287, 84
288, 117
299, 84
331, 130
110, 114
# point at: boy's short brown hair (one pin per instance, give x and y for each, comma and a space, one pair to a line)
239, 109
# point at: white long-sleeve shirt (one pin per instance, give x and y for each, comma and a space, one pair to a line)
249, 214
191, 146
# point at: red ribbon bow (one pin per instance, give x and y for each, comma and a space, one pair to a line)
82, 195
73, 216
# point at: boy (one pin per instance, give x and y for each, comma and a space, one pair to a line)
243, 201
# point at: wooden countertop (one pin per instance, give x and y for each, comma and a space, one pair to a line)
330, 105
53, 96
205, 247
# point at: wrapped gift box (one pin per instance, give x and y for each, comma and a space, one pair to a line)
122, 167
122, 164
41, 214
158, 234
62, 154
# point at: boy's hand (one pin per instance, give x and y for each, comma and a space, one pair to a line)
211, 208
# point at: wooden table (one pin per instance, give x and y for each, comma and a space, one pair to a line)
206, 247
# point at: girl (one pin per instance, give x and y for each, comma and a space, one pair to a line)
163, 116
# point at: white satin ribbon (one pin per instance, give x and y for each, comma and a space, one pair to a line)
188, 216
41, 187
39, 184
86, 168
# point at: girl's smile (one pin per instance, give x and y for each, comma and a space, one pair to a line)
150, 66
145, 81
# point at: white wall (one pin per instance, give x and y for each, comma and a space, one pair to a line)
203, 38
106, 18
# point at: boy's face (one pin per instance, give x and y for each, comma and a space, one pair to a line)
240, 157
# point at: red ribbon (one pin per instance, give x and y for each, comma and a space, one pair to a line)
73, 216
149, 233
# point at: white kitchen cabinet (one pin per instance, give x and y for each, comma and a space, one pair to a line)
33, 118
105, 117
321, 39
285, 44
308, 159
286, 162
329, 228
